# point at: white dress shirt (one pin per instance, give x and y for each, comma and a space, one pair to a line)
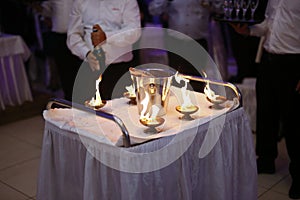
189, 17
58, 11
281, 27
119, 19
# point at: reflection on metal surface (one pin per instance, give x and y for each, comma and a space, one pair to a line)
152, 123
67, 104
131, 97
152, 85
225, 84
187, 111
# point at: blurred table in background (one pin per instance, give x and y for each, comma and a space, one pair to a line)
14, 85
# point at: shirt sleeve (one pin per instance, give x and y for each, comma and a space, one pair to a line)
130, 30
75, 39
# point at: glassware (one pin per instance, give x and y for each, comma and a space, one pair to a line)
225, 8
152, 84
230, 8
245, 6
253, 7
237, 7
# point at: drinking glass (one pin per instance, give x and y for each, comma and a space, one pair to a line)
245, 6
237, 7
230, 8
225, 8
253, 7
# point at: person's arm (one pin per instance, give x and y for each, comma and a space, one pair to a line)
242, 29
75, 39
157, 7
130, 30
259, 29
254, 30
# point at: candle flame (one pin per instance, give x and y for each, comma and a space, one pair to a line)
97, 101
146, 117
185, 93
208, 91
131, 89
144, 103
166, 89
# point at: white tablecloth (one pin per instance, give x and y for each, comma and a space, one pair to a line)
103, 130
210, 161
14, 85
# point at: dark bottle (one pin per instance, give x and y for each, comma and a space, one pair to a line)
100, 54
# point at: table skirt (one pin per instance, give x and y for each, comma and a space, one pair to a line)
15, 88
69, 169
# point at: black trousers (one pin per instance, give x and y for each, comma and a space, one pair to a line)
115, 78
186, 53
67, 63
278, 105
244, 51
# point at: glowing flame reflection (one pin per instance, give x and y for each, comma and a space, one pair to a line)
96, 101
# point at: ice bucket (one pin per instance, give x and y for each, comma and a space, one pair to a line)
153, 89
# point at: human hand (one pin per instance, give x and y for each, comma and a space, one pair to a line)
98, 36
93, 62
242, 29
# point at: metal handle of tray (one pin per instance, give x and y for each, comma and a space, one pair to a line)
117, 120
225, 84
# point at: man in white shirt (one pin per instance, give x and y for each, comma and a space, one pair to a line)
278, 87
118, 22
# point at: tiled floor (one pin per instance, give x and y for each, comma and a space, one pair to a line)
20, 148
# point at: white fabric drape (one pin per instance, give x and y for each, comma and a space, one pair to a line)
14, 85
70, 167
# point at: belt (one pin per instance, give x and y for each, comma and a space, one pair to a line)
274, 58
285, 55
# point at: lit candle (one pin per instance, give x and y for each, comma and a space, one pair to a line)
96, 101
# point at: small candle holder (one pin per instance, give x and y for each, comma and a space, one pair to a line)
217, 102
131, 97
152, 124
95, 107
187, 111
